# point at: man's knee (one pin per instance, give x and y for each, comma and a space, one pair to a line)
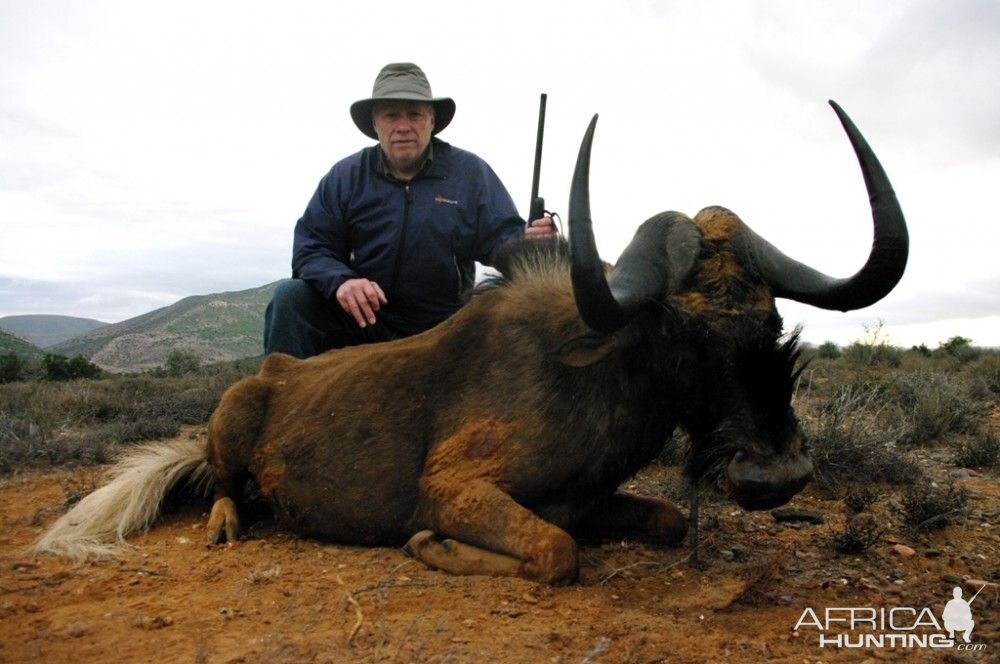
294, 295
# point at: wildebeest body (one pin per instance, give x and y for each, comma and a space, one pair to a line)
343, 444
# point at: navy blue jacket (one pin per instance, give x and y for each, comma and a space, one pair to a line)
419, 240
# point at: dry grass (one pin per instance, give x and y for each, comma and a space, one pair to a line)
86, 422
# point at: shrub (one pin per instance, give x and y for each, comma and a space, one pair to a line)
933, 404
859, 498
986, 371
181, 362
960, 348
849, 439
60, 367
859, 534
11, 368
926, 507
828, 350
874, 350
981, 451
675, 450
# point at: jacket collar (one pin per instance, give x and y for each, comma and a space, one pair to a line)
435, 164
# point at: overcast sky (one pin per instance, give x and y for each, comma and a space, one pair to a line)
154, 150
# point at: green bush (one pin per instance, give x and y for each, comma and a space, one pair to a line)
982, 451
60, 367
874, 356
960, 348
12, 368
986, 371
181, 362
828, 350
874, 350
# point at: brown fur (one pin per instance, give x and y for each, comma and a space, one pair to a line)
468, 429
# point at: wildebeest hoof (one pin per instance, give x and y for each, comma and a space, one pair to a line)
417, 542
223, 519
459, 558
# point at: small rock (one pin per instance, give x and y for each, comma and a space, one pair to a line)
76, 630
866, 583
933, 553
976, 584
899, 582
960, 474
740, 552
903, 551
156, 622
727, 555
792, 514
951, 578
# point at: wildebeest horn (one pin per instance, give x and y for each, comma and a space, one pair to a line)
792, 280
654, 263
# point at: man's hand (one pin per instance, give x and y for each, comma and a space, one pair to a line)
542, 227
361, 298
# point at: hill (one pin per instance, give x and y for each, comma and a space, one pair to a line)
216, 327
45, 330
13, 344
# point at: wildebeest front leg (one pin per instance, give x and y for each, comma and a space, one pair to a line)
624, 514
492, 534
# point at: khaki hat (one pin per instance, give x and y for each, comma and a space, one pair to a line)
402, 81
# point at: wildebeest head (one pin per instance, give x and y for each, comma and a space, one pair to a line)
706, 287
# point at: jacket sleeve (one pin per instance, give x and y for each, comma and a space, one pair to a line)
320, 251
497, 219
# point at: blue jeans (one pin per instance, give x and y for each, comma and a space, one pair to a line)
301, 322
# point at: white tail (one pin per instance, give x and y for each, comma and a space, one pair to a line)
130, 502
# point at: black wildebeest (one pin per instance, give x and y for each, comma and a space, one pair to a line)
512, 424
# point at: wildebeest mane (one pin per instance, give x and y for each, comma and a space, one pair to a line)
524, 258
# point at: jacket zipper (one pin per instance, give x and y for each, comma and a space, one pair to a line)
402, 238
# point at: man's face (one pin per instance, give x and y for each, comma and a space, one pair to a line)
404, 131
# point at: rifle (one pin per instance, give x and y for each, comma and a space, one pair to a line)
537, 206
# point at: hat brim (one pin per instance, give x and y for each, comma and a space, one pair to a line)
361, 112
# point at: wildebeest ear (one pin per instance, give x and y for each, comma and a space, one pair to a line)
586, 349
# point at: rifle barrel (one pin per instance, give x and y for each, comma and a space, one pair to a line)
538, 147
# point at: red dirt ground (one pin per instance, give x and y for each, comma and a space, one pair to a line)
275, 598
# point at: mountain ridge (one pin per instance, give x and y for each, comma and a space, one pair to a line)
216, 327
46, 330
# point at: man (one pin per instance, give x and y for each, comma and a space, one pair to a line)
387, 246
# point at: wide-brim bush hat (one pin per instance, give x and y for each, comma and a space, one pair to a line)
403, 81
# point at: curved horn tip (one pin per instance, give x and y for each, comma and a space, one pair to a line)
844, 118
588, 136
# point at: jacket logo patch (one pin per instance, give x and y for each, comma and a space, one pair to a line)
439, 199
